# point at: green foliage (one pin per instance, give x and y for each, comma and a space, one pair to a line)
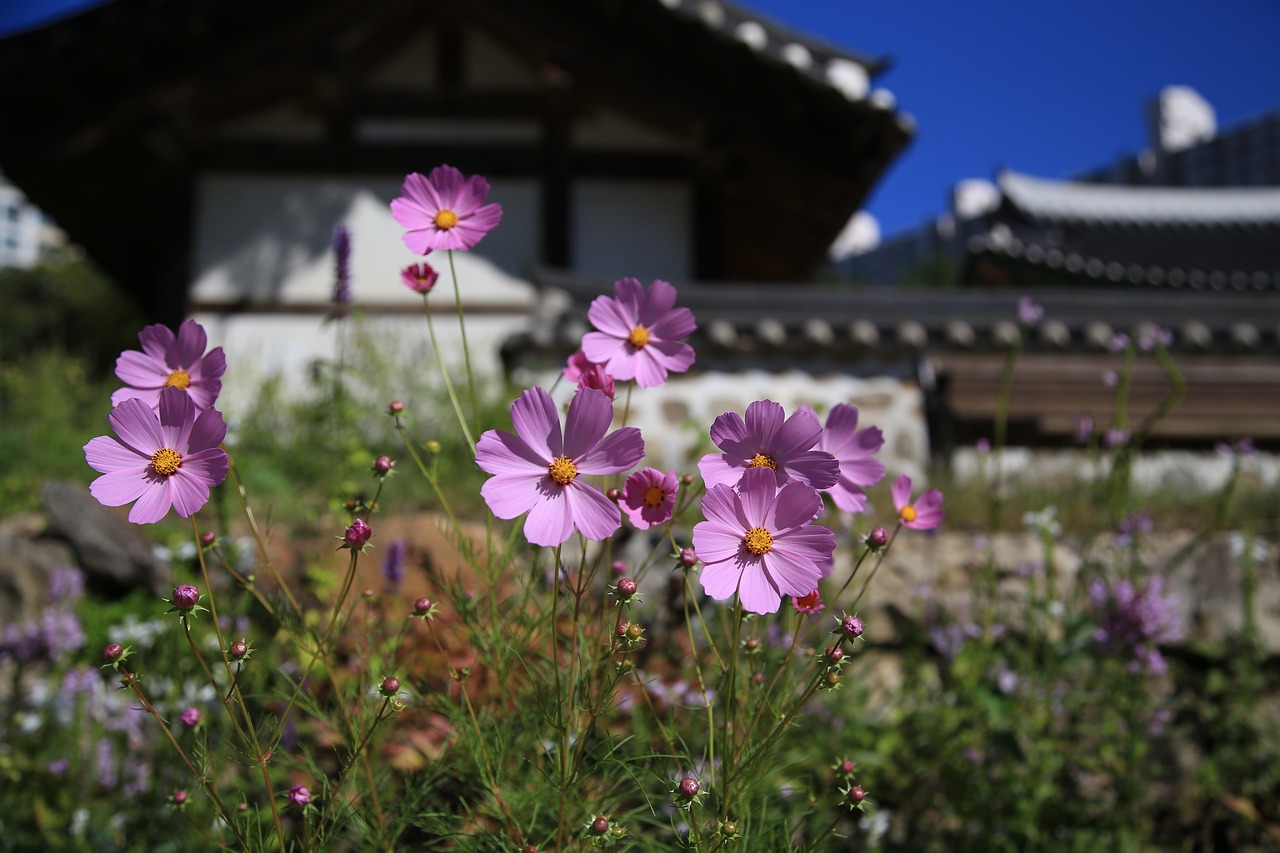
49, 409
69, 308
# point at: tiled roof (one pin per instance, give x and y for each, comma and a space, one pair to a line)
828, 326
847, 72
1109, 203
1181, 238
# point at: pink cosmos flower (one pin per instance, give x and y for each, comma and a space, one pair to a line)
163, 459
587, 374
649, 497
171, 361
576, 365
419, 278
444, 210
852, 449
538, 471
925, 514
639, 333
764, 440
758, 541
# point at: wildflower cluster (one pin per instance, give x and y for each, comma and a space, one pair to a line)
714, 674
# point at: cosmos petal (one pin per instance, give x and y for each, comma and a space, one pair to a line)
117, 488
595, 516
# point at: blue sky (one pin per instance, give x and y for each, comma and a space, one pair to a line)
1051, 89
1046, 88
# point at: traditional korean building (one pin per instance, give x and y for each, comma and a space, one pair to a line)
202, 150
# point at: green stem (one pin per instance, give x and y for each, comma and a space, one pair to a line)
444, 372
466, 350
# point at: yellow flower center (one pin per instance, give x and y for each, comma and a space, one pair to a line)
758, 541
653, 496
562, 470
166, 462
446, 219
908, 513
178, 379
762, 461
639, 337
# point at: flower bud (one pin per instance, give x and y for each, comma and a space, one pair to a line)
357, 535
688, 558
113, 652
729, 829
835, 654
622, 629
751, 644
190, 717
599, 825
395, 407
614, 495
432, 446
635, 631
299, 795
846, 766
619, 567
687, 479
178, 797
857, 794
688, 787
878, 538
851, 627
390, 686
627, 588
208, 538
237, 650
422, 606
185, 596
383, 465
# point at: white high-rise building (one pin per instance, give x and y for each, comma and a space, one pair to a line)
24, 231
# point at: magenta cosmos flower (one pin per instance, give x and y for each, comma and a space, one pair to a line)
639, 333
444, 210
765, 440
171, 361
925, 514
758, 541
852, 448
587, 374
649, 497
538, 471
163, 459
420, 278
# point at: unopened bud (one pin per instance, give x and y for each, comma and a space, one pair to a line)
185, 596
395, 407
113, 652
878, 538
390, 686
627, 587
208, 538
383, 465
688, 558
689, 787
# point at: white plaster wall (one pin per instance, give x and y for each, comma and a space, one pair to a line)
396, 350
1197, 472
266, 240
